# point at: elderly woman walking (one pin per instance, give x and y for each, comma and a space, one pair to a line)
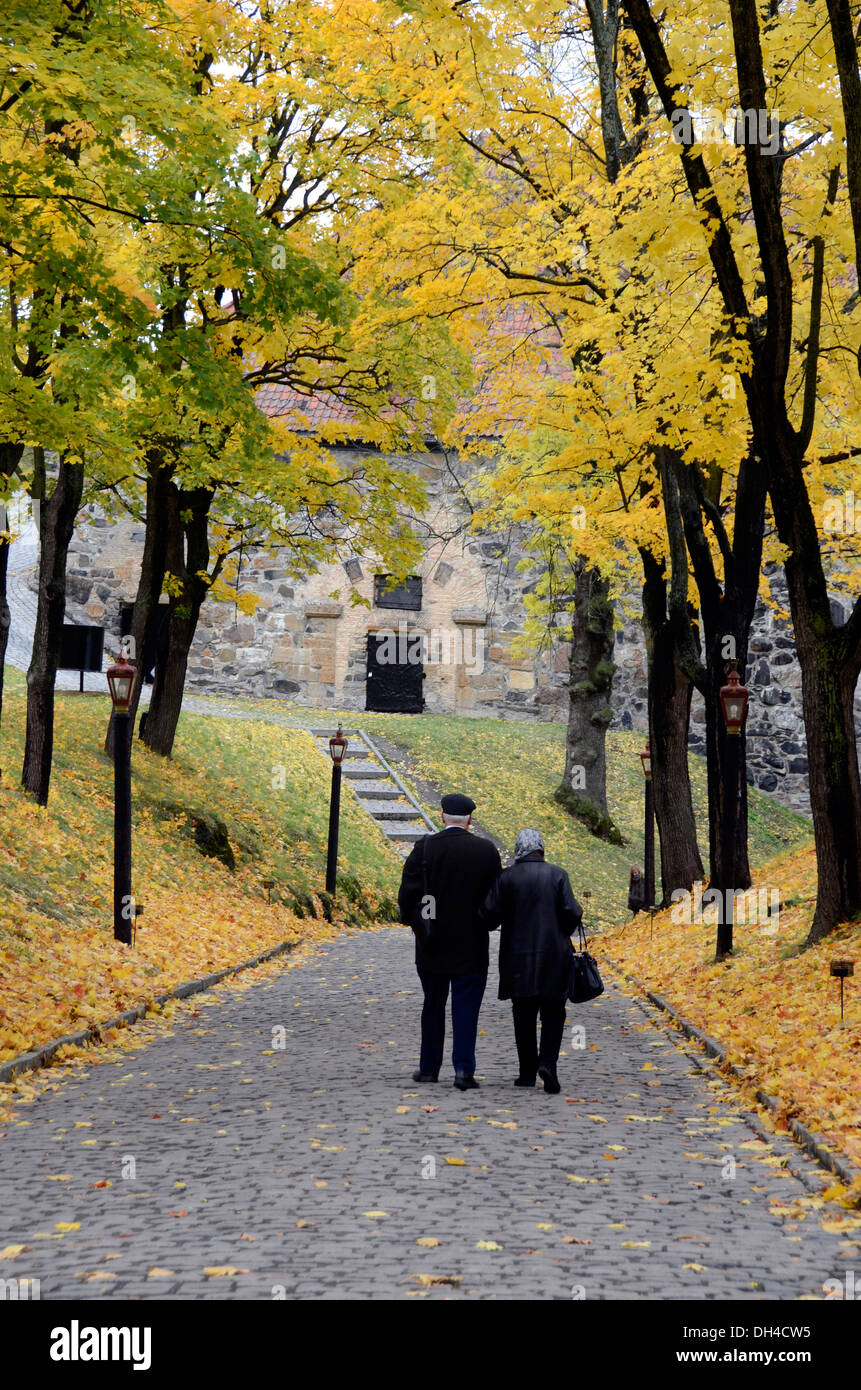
533, 904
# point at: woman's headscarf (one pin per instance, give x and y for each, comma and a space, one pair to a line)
527, 842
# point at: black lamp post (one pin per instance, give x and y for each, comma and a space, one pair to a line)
121, 679
337, 749
649, 830
733, 700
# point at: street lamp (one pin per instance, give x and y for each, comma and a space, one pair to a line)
733, 698
649, 830
337, 749
733, 702
121, 679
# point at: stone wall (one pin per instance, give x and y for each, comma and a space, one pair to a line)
307, 643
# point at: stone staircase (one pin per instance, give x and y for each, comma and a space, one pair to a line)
378, 788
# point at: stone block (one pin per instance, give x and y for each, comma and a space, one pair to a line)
521, 680
323, 608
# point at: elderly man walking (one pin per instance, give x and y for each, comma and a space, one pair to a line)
445, 880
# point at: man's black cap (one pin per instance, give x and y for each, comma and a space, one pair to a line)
456, 804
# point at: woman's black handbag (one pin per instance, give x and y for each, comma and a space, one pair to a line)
584, 981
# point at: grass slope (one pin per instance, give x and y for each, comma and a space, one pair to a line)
60, 969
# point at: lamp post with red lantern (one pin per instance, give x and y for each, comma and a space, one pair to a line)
649, 830
121, 679
337, 749
733, 700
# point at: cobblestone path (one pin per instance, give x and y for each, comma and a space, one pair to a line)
313, 1170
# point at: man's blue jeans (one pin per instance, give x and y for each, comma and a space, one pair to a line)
467, 992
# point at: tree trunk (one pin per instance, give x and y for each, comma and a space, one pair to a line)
726, 611
584, 787
10, 455
153, 564
727, 769
57, 523
846, 53
187, 560
670, 692
830, 660
828, 696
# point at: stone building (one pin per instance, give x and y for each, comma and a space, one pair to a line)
442, 642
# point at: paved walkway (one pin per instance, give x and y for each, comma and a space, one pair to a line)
315, 1170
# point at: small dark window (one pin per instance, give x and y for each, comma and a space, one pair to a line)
406, 595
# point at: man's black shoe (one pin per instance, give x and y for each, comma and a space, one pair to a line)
423, 1076
524, 1081
465, 1083
551, 1082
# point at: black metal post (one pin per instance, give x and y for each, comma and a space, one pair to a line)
726, 919
334, 815
649, 848
841, 1001
122, 830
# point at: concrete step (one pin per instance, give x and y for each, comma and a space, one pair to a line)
405, 830
357, 749
365, 769
380, 791
391, 810
331, 731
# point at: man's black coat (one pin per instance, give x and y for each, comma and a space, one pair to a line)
461, 870
534, 904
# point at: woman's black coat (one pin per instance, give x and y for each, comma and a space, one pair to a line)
533, 903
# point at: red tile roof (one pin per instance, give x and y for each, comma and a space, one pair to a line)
515, 323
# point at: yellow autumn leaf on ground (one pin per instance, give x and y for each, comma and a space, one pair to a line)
375, 1215
156, 1273
68, 1226
402, 1109
427, 1240
487, 1245
10, 1251
636, 1244
456, 1162
59, 1177
698, 1269
222, 1271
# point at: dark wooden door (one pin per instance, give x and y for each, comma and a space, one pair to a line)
394, 683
